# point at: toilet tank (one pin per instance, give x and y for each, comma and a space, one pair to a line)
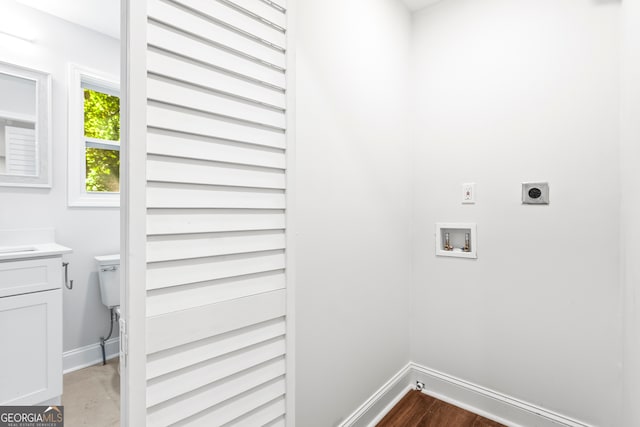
109, 276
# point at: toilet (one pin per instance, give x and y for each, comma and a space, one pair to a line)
109, 277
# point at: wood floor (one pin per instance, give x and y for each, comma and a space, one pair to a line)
417, 409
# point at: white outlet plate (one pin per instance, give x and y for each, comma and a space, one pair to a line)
468, 193
535, 193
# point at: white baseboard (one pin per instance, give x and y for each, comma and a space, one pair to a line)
89, 355
56, 401
488, 403
482, 401
372, 411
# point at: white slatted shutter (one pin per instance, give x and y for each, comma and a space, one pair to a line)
21, 151
215, 226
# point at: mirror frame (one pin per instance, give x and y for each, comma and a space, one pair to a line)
43, 128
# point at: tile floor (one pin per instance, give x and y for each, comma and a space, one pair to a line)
91, 396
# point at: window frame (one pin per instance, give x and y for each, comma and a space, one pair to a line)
81, 78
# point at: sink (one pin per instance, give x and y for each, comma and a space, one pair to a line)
9, 250
20, 244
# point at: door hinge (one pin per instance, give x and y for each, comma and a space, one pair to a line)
124, 342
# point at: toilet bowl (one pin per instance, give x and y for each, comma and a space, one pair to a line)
109, 277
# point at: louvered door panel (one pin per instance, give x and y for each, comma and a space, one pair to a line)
167, 38
206, 75
174, 144
263, 10
183, 272
229, 14
278, 4
178, 195
266, 415
185, 95
193, 121
177, 247
191, 378
224, 401
216, 288
219, 34
185, 221
166, 300
159, 364
181, 170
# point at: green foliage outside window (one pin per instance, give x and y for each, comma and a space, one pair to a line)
103, 170
102, 121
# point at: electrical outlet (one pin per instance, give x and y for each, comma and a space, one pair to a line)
469, 193
535, 193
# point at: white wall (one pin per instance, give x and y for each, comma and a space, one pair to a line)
353, 204
630, 227
88, 232
507, 92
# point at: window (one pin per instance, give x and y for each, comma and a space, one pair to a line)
102, 141
94, 139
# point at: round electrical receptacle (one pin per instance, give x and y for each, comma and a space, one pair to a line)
535, 193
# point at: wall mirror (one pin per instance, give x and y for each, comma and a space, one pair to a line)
25, 114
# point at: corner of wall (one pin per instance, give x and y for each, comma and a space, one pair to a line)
630, 210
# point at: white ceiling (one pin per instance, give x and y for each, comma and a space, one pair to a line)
102, 16
414, 5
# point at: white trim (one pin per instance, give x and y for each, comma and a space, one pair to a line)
88, 355
43, 128
102, 83
133, 215
376, 407
103, 144
9, 115
77, 196
390, 405
489, 403
464, 394
290, 213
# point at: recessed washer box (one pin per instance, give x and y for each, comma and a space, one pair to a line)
535, 193
456, 240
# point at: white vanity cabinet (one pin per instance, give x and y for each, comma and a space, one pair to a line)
31, 327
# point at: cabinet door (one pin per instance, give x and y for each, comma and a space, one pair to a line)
31, 356
30, 275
